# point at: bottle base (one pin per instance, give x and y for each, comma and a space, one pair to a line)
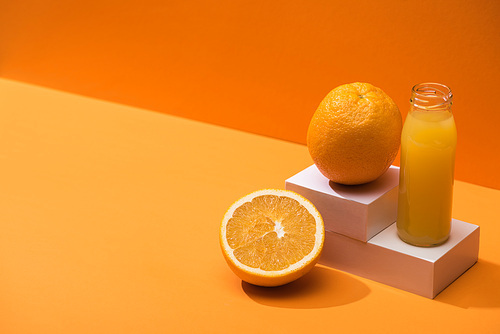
422, 242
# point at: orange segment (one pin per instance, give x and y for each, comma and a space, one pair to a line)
272, 237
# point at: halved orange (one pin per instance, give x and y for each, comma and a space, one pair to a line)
272, 237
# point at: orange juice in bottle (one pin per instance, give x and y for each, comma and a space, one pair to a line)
428, 143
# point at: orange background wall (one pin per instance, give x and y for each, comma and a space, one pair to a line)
264, 66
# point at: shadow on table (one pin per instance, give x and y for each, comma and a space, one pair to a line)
320, 288
477, 287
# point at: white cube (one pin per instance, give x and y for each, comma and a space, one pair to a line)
388, 260
359, 212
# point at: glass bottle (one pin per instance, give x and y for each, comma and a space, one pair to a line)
428, 143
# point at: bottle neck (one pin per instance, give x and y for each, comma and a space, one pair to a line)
431, 97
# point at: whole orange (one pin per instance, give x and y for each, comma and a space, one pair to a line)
355, 133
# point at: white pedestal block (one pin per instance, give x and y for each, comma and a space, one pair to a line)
358, 212
388, 260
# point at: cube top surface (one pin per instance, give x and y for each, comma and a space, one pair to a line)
390, 240
312, 178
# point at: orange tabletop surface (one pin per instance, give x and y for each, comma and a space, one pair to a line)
109, 223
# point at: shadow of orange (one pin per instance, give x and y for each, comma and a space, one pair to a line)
320, 288
477, 287
360, 191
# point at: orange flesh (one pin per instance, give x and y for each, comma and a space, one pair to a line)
271, 232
